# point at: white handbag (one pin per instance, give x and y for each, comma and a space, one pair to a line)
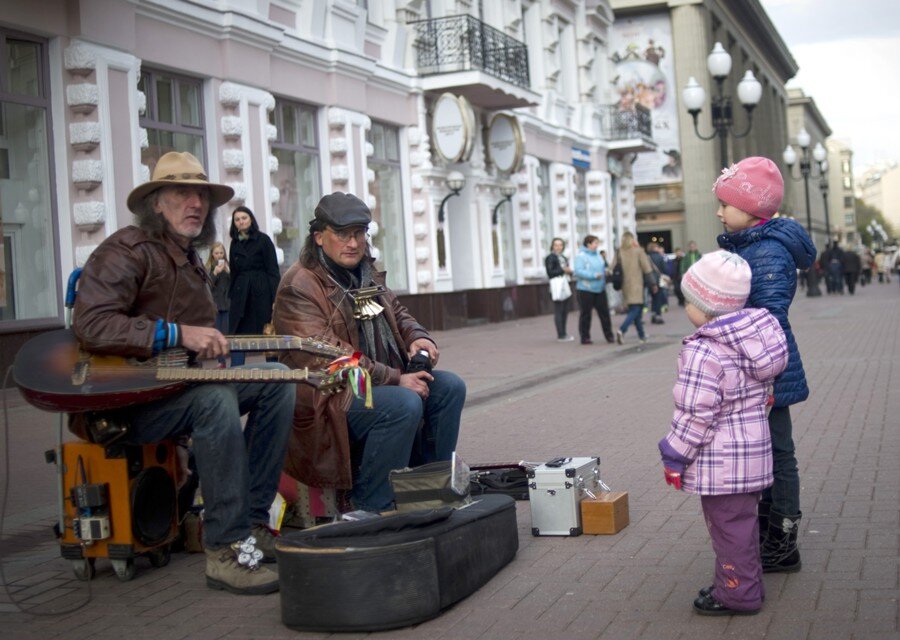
559, 288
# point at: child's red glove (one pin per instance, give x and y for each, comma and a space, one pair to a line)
673, 478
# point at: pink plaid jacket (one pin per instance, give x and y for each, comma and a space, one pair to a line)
720, 426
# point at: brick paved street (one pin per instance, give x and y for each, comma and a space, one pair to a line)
533, 398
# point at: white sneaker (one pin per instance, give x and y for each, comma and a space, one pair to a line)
620, 337
566, 339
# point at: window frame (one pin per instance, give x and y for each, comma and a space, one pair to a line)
397, 165
42, 101
149, 120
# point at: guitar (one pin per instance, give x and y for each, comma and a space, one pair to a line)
54, 373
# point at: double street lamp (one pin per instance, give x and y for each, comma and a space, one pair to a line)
749, 91
790, 158
875, 229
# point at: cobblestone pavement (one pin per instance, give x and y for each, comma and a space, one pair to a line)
532, 398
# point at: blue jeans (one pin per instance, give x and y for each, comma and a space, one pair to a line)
388, 431
635, 311
784, 494
239, 469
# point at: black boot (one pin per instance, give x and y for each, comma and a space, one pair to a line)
779, 551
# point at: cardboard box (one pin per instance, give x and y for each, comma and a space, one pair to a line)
607, 513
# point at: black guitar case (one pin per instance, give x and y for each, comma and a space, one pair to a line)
395, 570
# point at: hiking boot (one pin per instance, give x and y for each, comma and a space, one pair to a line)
779, 552
265, 541
236, 568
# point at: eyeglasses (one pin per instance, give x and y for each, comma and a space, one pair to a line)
345, 235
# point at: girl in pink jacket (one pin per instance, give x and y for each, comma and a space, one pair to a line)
719, 445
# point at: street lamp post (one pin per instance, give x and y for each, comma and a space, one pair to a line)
749, 91
790, 158
823, 187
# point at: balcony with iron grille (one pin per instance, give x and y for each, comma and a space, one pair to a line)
464, 55
626, 130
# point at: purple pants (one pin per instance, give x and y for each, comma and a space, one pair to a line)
734, 529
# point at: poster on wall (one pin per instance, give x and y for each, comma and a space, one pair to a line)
645, 74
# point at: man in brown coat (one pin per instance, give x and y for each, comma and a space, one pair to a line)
145, 289
320, 297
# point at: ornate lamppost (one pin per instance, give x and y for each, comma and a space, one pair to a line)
790, 157
749, 91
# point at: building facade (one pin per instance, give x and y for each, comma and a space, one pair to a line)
286, 100
879, 187
840, 190
675, 204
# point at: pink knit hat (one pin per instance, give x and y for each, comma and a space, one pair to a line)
753, 185
718, 283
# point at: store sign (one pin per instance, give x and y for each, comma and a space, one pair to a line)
452, 127
581, 158
506, 143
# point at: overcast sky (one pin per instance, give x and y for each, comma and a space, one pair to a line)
849, 58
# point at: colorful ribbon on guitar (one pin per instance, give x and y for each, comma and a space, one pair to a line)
357, 378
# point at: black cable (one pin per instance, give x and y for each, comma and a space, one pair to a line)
3, 501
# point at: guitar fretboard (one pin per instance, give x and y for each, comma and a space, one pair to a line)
283, 343
176, 374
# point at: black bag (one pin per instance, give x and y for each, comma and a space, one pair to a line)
512, 482
616, 277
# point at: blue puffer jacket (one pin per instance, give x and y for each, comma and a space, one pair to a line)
587, 265
775, 251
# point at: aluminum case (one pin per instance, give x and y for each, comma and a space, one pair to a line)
556, 489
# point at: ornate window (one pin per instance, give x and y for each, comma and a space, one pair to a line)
174, 116
390, 240
298, 178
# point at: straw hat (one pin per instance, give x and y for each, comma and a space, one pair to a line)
176, 168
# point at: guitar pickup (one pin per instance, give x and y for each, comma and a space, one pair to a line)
80, 372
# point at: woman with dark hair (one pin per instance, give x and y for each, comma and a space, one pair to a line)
254, 278
558, 265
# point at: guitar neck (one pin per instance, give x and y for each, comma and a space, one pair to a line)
284, 343
177, 374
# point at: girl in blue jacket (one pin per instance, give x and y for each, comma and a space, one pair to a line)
749, 194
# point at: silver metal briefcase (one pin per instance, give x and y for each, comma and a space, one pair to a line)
556, 490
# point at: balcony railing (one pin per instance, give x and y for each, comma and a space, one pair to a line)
618, 124
465, 43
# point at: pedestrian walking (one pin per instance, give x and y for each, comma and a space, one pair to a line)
676, 275
749, 194
718, 445
557, 265
590, 274
636, 272
867, 261
852, 265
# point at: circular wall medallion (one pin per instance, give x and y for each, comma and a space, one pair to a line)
451, 130
506, 144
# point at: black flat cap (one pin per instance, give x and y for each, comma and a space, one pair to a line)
339, 210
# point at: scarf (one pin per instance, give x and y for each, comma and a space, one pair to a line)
376, 340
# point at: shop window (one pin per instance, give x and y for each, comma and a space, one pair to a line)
388, 212
298, 181
28, 236
174, 116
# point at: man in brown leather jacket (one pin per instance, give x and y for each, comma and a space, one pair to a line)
318, 297
145, 289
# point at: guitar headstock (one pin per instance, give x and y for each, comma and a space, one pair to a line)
328, 383
312, 346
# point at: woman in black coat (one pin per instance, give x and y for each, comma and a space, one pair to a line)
254, 277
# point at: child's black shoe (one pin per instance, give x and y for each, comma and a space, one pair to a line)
709, 606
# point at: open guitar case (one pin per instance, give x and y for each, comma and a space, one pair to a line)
395, 570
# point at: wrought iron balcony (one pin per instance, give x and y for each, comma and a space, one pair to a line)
625, 124
465, 43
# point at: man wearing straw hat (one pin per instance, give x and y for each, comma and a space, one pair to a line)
145, 289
